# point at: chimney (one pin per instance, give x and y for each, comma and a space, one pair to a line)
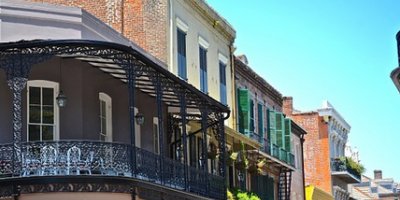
377, 174
288, 106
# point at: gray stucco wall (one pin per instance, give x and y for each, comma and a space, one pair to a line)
81, 84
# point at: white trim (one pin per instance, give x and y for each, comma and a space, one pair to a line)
137, 131
107, 99
182, 25
44, 84
203, 42
223, 58
155, 123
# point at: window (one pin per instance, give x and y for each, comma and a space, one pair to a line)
105, 117
203, 69
181, 45
42, 110
251, 115
243, 110
137, 131
222, 83
260, 122
156, 140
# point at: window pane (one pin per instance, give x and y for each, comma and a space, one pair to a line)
34, 95
34, 132
48, 96
48, 114
47, 132
34, 114
103, 109
103, 126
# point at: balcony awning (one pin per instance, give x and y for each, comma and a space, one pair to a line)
114, 59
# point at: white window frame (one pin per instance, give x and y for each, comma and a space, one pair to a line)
137, 130
203, 42
108, 100
44, 84
156, 142
182, 25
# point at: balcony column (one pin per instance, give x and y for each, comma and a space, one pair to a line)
222, 149
17, 84
204, 156
17, 68
184, 136
130, 70
159, 94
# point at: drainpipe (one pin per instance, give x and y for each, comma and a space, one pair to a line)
302, 165
233, 84
122, 17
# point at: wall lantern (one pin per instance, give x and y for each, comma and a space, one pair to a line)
139, 117
61, 99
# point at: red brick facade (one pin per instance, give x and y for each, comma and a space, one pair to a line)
316, 146
144, 22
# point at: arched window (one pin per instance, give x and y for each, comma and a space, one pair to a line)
42, 111
105, 117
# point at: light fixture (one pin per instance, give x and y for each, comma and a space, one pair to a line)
61, 98
139, 118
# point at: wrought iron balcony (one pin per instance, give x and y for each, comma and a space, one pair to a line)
291, 159
340, 169
72, 158
275, 151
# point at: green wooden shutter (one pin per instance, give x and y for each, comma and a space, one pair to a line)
272, 127
251, 116
243, 104
260, 122
280, 123
288, 131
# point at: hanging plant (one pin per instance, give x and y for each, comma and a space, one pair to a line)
256, 167
242, 162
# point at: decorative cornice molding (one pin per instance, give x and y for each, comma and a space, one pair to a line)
213, 18
252, 77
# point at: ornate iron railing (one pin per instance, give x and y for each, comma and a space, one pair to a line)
338, 165
283, 155
61, 158
275, 151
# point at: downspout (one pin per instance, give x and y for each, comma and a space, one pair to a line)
171, 38
122, 17
233, 84
302, 165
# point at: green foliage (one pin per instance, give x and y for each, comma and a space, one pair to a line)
238, 194
229, 195
350, 163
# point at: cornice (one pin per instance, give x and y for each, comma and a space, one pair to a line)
252, 77
213, 18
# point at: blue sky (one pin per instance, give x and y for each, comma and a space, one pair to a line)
341, 51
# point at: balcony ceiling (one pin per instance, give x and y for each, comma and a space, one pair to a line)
111, 59
345, 176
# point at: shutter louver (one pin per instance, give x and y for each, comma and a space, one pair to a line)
243, 98
288, 130
260, 123
279, 129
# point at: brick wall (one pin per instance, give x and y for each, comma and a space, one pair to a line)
145, 22
316, 147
